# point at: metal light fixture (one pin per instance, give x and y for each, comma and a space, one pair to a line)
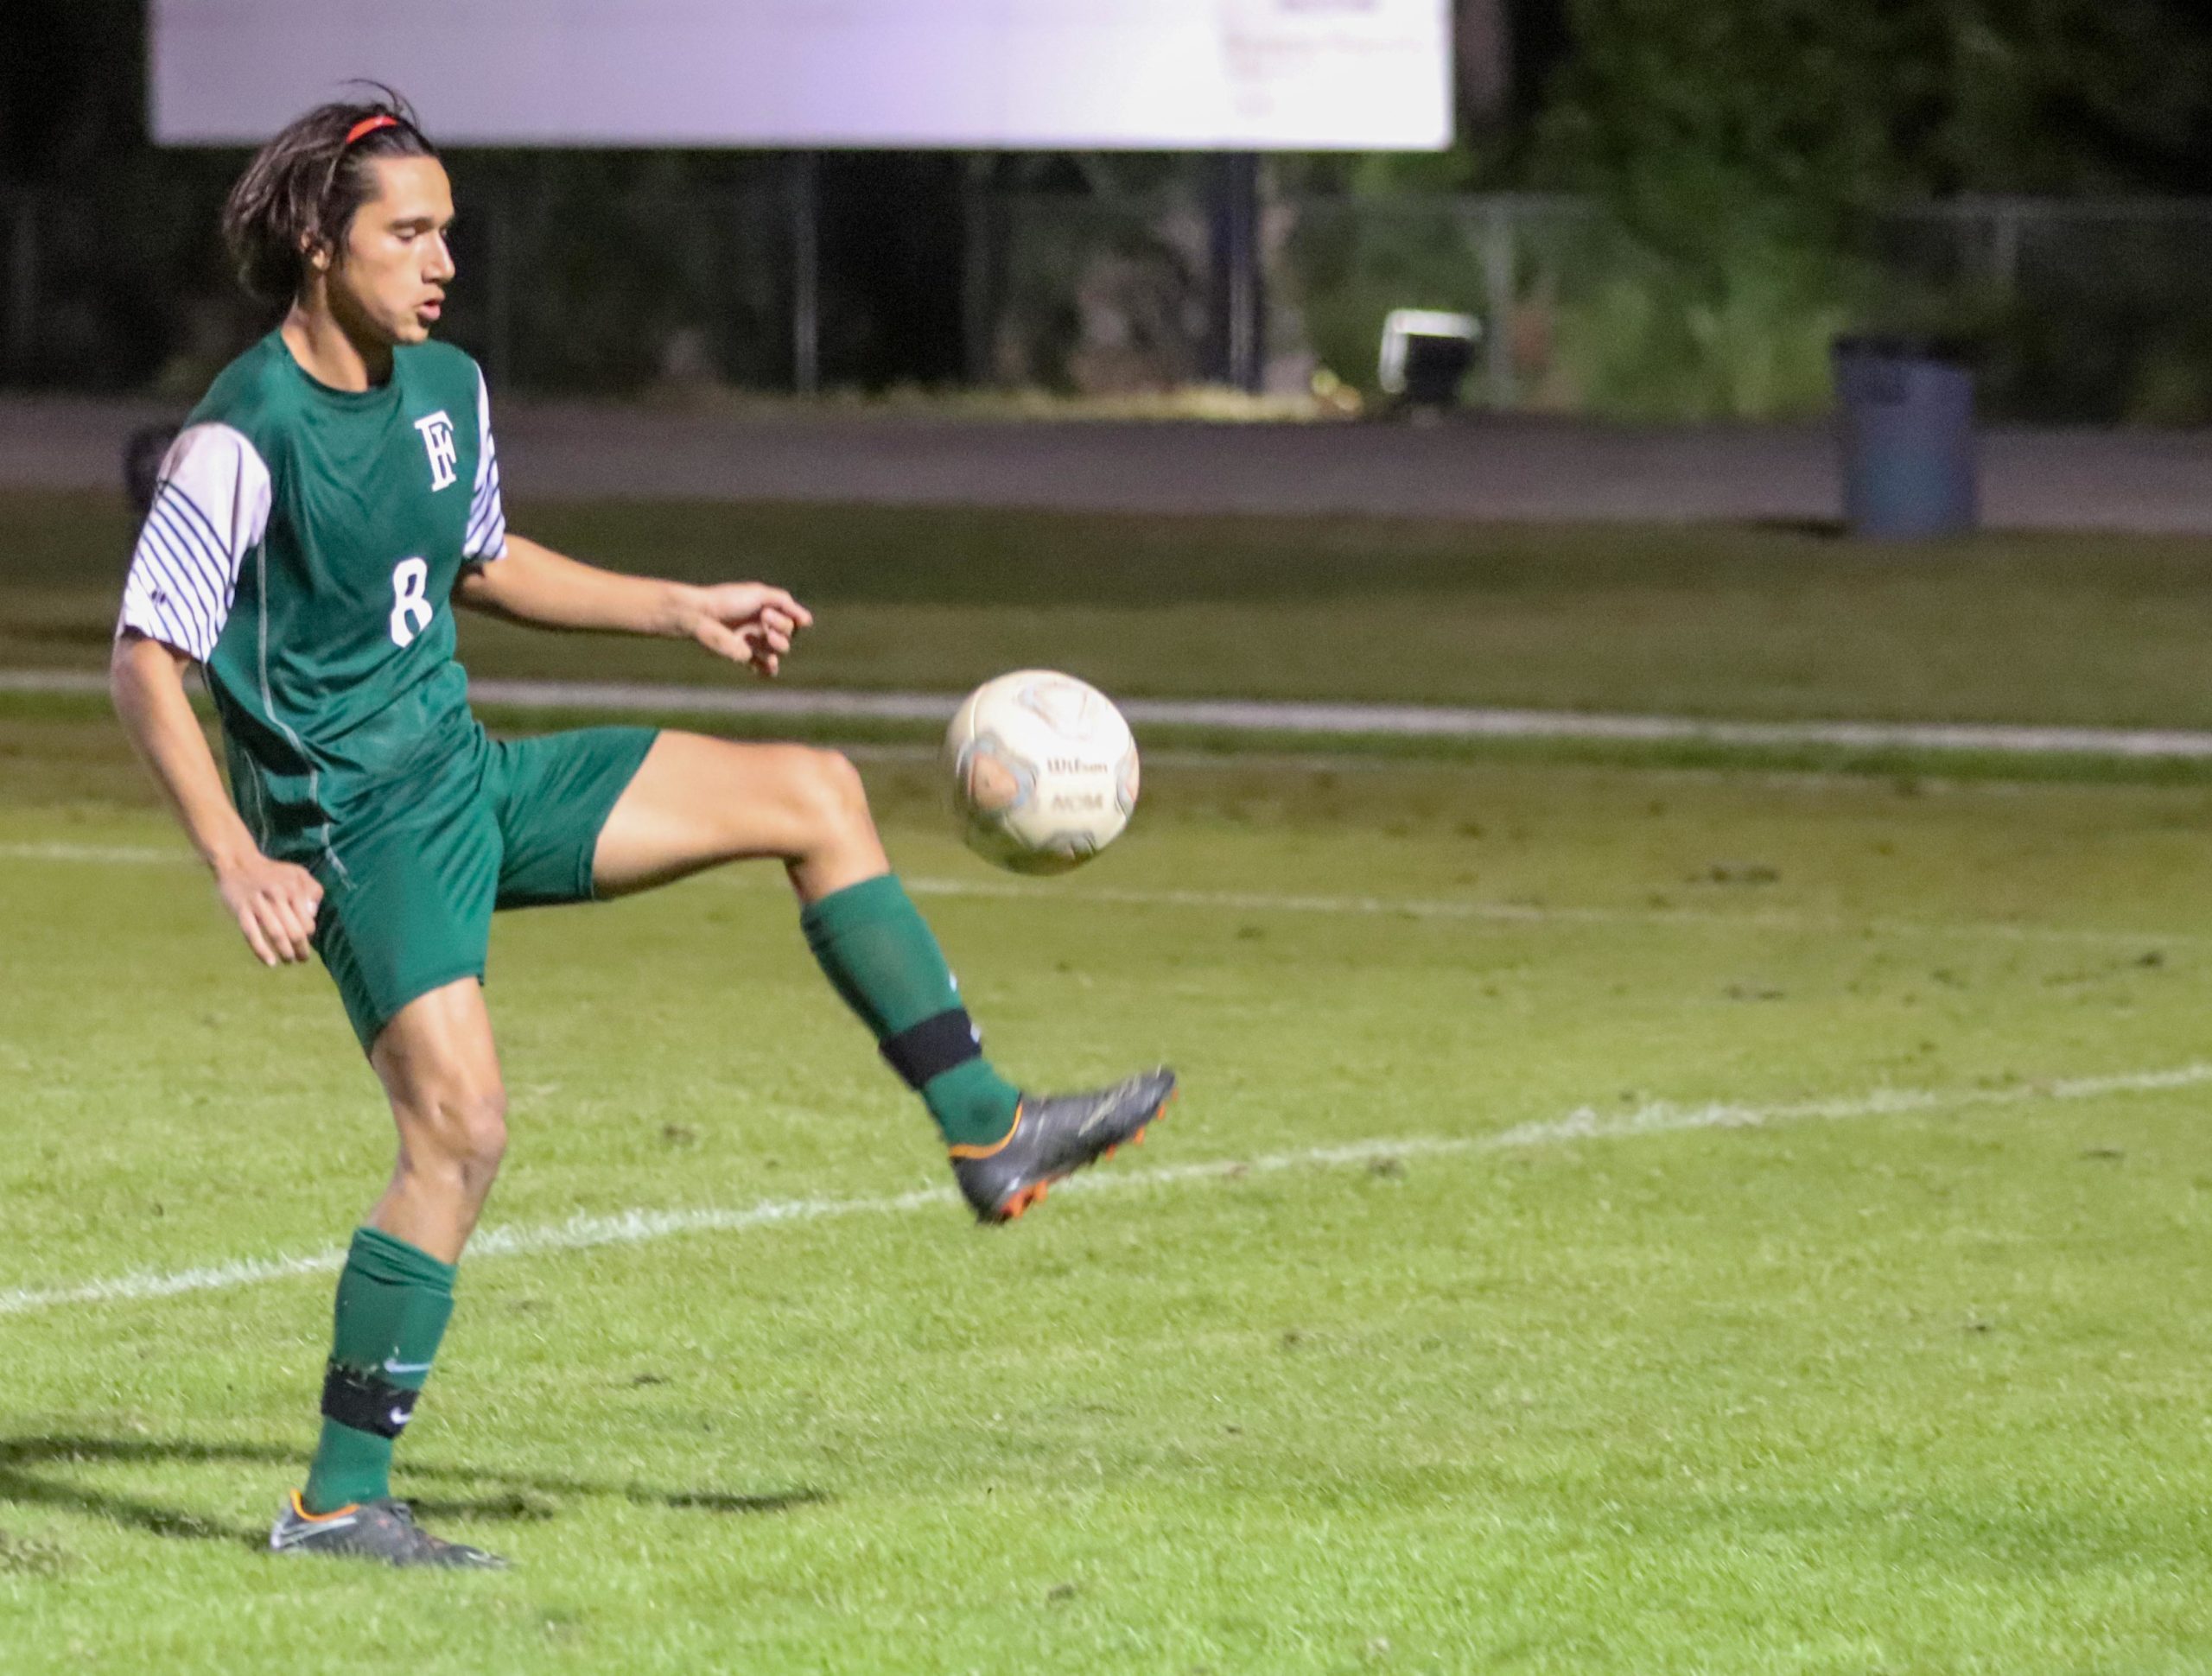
1426, 354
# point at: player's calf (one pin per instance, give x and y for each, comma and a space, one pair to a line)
879, 955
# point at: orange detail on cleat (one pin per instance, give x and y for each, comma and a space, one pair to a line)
1137, 1140
299, 1509
969, 1150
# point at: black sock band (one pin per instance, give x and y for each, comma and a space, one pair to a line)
366, 1403
933, 1047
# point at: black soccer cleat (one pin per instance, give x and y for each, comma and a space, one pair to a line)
384, 1531
1053, 1136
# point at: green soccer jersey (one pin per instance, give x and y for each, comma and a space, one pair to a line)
303, 546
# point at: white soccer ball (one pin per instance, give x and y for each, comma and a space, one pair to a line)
1044, 770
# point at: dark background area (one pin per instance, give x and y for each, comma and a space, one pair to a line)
1725, 138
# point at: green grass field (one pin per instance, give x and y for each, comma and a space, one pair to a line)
1619, 1221
1753, 623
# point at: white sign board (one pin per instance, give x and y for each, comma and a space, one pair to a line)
1012, 75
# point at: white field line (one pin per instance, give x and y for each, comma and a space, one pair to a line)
1397, 907
102, 855
585, 1233
1514, 913
1341, 721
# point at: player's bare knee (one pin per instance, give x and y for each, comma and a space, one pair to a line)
842, 797
482, 1125
457, 1134
822, 797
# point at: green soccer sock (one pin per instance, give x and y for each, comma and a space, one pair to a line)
393, 1303
878, 953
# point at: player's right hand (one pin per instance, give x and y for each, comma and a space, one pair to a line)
275, 904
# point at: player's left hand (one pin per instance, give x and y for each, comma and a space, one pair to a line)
747, 623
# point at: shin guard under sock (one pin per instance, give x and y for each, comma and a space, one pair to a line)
878, 953
393, 1303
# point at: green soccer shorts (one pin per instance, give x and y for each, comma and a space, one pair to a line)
409, 887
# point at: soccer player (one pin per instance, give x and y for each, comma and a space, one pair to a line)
331, 499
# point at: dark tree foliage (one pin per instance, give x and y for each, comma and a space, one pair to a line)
1834, 106
70, 85
1743, 142
2067, 96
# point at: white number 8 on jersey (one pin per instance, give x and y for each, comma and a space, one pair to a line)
410, 608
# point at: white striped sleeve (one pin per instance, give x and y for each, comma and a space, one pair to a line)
487, 516
210, 508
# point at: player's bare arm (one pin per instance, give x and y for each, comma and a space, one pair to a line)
751, 623
274, 902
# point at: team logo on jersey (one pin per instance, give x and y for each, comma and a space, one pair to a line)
437, 438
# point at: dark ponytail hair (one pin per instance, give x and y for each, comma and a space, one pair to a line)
302, 189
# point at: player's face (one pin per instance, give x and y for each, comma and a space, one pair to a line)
392, 276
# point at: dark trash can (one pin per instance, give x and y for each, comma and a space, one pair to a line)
1904, 417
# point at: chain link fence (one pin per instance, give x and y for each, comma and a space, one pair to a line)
2080, 312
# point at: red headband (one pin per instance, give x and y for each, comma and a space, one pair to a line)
369, 125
